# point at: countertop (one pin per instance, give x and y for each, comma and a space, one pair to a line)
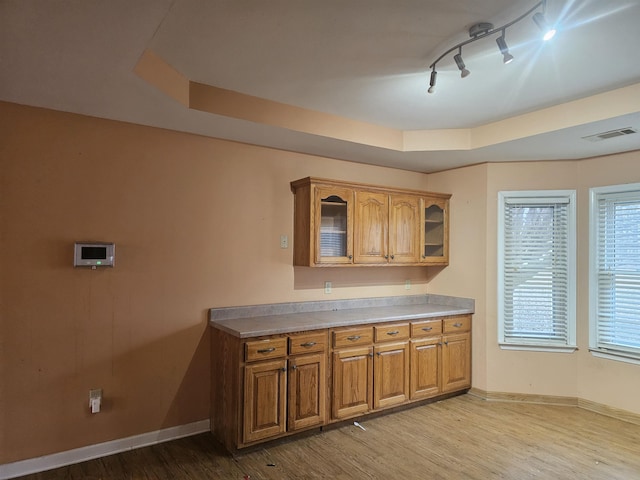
271, 319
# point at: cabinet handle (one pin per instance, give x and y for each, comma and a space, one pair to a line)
308, 344
267, 350
392, 257
395, 332
457, 325
353, 338
427, 329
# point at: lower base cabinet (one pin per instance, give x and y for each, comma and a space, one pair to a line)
270, 387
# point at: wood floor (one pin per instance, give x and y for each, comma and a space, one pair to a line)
459, 438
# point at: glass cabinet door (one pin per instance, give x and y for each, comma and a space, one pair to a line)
435, 232
334, 212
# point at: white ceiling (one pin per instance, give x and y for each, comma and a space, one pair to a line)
365, 60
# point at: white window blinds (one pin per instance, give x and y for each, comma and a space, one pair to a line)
615, 271
536, 269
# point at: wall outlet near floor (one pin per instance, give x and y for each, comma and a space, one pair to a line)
407, 284
327, 287
284, 241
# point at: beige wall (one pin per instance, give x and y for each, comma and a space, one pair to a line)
577, 375
197, 224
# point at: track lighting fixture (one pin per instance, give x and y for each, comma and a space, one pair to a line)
502, 44
485, 29
432, 81
547, 31
460, 63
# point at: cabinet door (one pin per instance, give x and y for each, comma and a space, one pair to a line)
404, 232
434, 231
371, 228
265, 387
307, 393
425, 368
333, 225
456, 362
352, 378
391, 374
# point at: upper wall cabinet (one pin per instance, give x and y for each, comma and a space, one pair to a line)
348, 224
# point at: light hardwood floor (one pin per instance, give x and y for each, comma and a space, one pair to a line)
459, 438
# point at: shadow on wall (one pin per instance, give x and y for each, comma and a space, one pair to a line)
314, 277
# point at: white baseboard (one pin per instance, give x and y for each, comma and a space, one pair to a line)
55, 460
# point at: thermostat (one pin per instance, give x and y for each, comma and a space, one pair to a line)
94, 254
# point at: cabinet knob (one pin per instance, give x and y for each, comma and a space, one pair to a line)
293, 367
371, 355
386, 257
446, 342
283, 369
378, 353
392, 257
350, 257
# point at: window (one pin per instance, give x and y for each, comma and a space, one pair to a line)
614, 274
536, 270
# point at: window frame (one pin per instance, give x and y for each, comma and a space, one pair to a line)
539, 197
595, 193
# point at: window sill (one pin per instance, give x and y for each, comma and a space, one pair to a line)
539, 348
618, 357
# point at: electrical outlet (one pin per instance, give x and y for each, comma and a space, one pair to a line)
95, 400
327, 287
284, 241
407, 284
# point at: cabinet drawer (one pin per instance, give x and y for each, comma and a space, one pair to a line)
386, 333
308, 343
457, 324
264, 349
426, 328
352, 336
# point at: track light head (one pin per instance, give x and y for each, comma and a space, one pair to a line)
460, 63
502, 44
432, 80
547, 30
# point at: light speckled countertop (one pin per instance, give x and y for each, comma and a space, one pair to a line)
259, 320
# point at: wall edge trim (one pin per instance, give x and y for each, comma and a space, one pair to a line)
77, 455
600, 408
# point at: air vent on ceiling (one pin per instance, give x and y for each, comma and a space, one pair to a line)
610, 134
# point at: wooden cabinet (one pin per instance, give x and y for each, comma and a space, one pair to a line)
440, 356
269, 387
391, 364
456, 353
346, 224
372, 228
372, 376
307, 380
352, 371
434, 231
265, 386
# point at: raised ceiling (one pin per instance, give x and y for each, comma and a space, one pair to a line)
339, 78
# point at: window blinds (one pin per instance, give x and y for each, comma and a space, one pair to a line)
536, 271
617, 272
